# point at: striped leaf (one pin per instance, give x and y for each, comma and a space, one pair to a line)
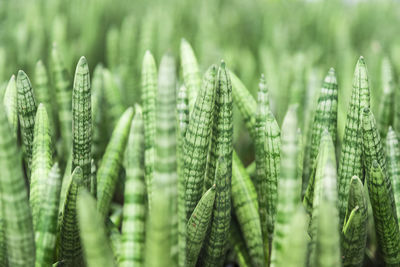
82, 121
197, 141
288, 184
246, 104
244, 200
325, 115
182, 110
215, 244
190, 71
107, 175
350, 157
26, 113
355, 225
10, 104
16, 213
70, 243
46, 228
134, 209
267, 145
197, 226
238, 246
386, 225
92, 233
149, 96
393, 161
63, 94
41, 162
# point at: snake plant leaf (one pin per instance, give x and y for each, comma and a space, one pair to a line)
63, 94
182, 113
289, 187
157, 249
350, 157
325, 168
66, 179
46, 228
190, 72
134, 209
325, 115
41, 162
70, 243
149, 98
99, 139
115, 239
95, 243
107, 175
246, 104
215, 244
82, 121
43, 92
10, 104
386, 106
386, 225
26, 113
328, 238
3, 242
197, 141
239, 246
244, 201
197, 226
16, 213
267, 145
373, 150
165, 142
295, 250
393, 161
355, 225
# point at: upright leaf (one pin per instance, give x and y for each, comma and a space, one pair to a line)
82, 121
393, 161
350, 158
10, 104
26, 113
386, 106
107, 175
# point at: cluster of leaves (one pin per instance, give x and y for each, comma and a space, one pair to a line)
134, 165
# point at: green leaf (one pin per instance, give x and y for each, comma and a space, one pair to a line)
393, 161
10, 104
92, 233
82, 121
386, 105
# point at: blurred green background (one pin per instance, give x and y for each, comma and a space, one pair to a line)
292, 42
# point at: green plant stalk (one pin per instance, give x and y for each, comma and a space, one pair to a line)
63, 94
289, 187
393, 161
182, 110
165, 144
197, 226
26, 113
41, 162
95, 243
46, 228
244, 201
134, 209
238, 245
10, 104
386, 225
197, 141
149, 96
16, 214
70, 243
354, 233
190, 72
107, 175
82, 121
351, 153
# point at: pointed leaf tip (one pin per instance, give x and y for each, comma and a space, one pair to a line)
222, 64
